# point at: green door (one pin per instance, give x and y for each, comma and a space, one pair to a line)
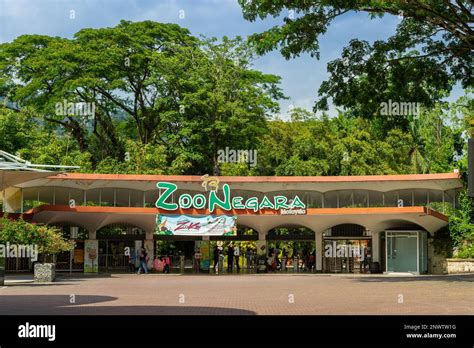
402, 252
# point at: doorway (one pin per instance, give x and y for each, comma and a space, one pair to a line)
403, 251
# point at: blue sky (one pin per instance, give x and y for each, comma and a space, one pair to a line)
301, 77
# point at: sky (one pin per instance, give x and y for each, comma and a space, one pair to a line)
301, 77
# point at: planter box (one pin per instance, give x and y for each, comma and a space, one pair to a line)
45, 272
459, 266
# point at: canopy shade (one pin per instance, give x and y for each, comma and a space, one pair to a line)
14, 170
10, 178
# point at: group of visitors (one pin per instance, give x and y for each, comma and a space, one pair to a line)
233, 257
302, 262
160, 264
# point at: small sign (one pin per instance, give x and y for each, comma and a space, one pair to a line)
292, 211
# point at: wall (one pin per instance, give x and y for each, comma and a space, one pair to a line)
460, 266
436, 262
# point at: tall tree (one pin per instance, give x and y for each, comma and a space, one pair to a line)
109, 67
223, 101
430, 51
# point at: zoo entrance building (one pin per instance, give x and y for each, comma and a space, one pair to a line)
392, 217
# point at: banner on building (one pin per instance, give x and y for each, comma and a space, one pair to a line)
91, 256
185, 225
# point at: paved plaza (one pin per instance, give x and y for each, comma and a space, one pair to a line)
240, 294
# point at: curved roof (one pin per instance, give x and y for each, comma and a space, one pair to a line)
383, 183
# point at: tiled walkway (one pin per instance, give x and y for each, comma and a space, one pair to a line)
244, 294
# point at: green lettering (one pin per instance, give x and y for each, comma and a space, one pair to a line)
280, 202
169, 189
237, 202
266, 204
252, 203
185, 201
199, 197
297, 203
214, 200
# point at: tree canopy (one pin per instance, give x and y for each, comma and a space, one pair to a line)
149, 82
429, 53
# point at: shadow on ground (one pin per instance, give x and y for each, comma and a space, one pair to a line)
60, 305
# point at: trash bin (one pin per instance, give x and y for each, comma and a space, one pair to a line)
296, 265
374, 267
181, 264
283, 264
2, 271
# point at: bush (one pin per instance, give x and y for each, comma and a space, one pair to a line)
49, 240
466, 252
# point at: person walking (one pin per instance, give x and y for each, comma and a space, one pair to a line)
237, 256
131, 261
216, 259
230, 258
143, 261
197, 261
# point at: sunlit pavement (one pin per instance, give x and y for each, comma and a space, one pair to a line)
240, 294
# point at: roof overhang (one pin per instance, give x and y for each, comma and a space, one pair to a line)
382, 183
317, 219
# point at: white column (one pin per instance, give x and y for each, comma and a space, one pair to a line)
92, 234
319, 251
149, 247
375, 246
262, 243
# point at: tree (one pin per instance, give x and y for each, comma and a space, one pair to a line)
224, 102
337, 146
48, 239
461, 229
430, 51
114, 68
151, 85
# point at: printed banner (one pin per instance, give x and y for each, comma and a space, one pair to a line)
185, 225
91, 256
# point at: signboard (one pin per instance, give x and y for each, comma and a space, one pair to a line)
91, 257
202, 246
292, 211
212, 200
78, 255
185, 225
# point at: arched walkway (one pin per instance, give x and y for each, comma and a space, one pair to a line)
116, 242
347, 248
291, 248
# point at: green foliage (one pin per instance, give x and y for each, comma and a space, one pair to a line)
166, 102
461, 229
49, 240
430, 51
164, 97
